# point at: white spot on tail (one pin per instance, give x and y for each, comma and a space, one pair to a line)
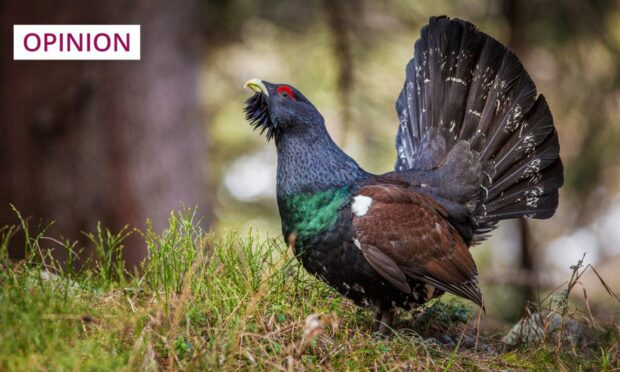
528, 144
401, 153
452, 125
456, 80
533, 196
361, 205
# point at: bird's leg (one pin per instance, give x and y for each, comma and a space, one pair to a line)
377, 321
383, 320
387, 315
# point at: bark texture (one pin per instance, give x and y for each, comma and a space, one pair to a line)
115, 141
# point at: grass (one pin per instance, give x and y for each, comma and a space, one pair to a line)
229, 302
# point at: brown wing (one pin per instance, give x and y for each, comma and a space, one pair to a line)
406, 234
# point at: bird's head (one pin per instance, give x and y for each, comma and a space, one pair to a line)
280, 109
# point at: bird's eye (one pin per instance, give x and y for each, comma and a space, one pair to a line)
286, 92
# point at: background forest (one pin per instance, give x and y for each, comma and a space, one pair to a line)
121, 143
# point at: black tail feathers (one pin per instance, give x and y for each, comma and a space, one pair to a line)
469, 113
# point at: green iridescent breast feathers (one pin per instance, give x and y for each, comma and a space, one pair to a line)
308, 214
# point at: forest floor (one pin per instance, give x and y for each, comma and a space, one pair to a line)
231, 302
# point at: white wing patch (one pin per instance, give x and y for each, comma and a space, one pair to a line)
361, 205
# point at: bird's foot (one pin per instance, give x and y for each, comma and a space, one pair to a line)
383, 321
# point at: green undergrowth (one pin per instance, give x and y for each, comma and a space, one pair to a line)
228, 302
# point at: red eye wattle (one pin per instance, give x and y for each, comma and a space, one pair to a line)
285, 90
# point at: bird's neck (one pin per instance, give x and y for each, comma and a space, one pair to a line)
308, 166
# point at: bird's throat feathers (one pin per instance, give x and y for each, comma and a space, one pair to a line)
313, 164
314, 181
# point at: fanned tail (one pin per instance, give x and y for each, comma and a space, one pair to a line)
473, 130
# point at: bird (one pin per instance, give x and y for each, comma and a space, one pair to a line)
475, 144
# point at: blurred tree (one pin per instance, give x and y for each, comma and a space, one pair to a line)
337, 14
513, 14
576, 33
116, 141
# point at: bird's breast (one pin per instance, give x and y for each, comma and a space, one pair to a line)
307, 215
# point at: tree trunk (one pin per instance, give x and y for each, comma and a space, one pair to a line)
338, 21
110, 141
513, 14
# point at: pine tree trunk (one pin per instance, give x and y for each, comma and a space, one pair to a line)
115, 141
513, 13
337, 13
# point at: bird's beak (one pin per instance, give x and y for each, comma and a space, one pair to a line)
256, 85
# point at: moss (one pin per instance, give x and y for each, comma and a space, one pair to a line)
233, 302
